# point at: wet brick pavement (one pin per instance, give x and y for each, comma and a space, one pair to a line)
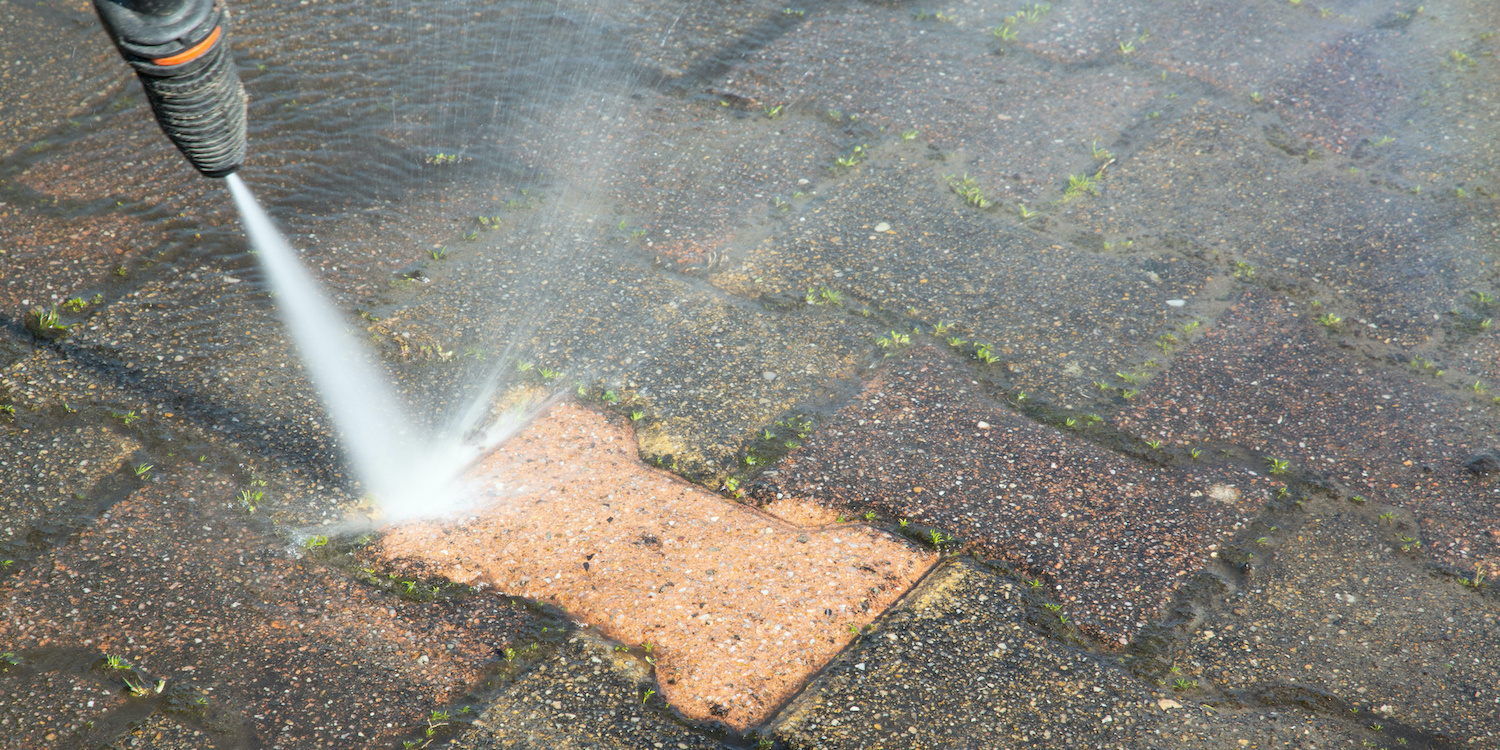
1253, 158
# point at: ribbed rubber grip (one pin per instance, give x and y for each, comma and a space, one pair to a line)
202, 110
180, 51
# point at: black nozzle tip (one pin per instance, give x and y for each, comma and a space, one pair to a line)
181, 54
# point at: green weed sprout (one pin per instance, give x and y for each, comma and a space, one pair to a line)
824, 296
894, 341
968, 189
47, 323
250, 499
1080, 184
854, 157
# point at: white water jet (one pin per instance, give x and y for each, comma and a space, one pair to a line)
411, 472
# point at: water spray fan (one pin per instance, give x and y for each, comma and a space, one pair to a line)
179, 51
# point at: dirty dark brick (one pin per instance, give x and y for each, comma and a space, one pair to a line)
957, 666
1113, 535
1267, 378
284, 651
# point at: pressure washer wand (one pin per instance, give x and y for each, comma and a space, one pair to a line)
179, 51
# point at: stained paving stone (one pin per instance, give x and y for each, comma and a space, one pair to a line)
1111, 535
41, 707
961, 664
1268, 378
691, 359
1377, 253
1353, 91
1180, 39
49, 260
115, 373
161, 733
1014, 120
588, 696
681, 44
284, 652
79, 73
109, 198
738, 607
1336, 615
992, 283
57, 477
701, 186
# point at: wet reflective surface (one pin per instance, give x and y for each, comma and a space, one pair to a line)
731, 225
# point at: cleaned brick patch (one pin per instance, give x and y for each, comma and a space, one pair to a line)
739, 607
